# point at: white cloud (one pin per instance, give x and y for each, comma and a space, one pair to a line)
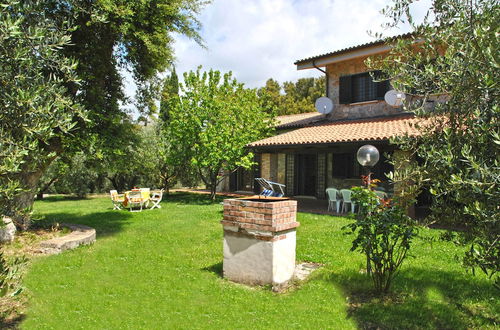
260, 39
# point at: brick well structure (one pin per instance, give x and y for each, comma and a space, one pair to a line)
259, 240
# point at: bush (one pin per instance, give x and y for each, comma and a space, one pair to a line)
383, 233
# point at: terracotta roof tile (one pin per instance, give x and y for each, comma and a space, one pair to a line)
345, 131
298, 120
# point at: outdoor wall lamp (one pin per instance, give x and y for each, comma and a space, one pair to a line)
368, 156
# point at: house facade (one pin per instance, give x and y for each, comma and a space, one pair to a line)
312, 152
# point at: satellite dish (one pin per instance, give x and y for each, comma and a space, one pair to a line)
394, 98
324, 105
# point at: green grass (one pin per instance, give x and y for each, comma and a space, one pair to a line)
162, 269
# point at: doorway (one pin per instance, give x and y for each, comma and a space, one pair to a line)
306, 171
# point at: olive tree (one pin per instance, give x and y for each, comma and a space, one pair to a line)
36, 115
454, 53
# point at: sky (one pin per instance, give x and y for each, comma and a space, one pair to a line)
261, 39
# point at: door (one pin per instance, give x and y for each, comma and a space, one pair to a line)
306, 171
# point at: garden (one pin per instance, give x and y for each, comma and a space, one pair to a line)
69, 134
163, 268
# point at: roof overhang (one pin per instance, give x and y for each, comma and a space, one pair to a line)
335, 58
359, 51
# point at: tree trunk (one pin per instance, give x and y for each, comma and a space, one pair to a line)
24, 201
39, 195
29, 178
113, 182
213, 189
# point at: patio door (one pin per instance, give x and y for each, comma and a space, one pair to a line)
306, 171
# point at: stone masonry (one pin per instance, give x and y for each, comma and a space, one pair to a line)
356, 110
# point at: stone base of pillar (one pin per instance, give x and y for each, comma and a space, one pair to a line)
259, 258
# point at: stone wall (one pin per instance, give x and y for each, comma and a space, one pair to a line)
355, 110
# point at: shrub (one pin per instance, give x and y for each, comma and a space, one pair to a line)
383, 233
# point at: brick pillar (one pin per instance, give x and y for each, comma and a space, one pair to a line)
281, 168
265, 166
259, 240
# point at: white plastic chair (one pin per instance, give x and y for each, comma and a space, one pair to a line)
135, 199
117, 199
346, 199
145, 192
333, 196
156, 196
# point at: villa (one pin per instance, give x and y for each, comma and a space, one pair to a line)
314, 151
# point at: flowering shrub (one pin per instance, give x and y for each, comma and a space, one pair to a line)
383, 233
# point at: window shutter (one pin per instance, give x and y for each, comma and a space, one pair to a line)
345, 90
382, 88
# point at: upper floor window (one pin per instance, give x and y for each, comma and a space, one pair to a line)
361, 87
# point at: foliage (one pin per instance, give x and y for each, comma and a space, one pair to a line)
107, 39
452, 61
80, 176
10, 275
213, 122
292, 97
36, 114
158, 163
383, 233
169, 96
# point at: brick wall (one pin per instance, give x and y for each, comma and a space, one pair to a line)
256, 218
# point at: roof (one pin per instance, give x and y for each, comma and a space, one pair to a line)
379, 129
298, 120
380, 42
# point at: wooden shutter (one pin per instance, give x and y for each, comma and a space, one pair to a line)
345, 90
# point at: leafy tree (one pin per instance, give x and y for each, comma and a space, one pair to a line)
108, 37
161, 166
36, 115
214, 121
455, 53
292, 97
169, 96
270, 96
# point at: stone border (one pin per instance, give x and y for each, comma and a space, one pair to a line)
79, 235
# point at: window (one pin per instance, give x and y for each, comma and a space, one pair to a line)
345, 166
361, 88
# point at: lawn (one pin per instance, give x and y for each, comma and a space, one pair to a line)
162, 269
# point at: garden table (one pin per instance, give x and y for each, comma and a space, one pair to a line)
144, 194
